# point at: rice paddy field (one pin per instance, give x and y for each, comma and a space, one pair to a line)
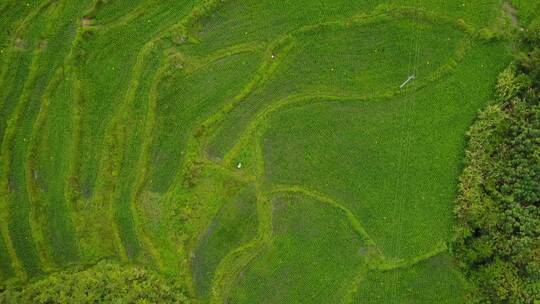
262, 151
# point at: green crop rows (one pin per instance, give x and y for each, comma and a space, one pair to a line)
263, 151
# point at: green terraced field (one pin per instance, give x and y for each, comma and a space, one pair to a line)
260, 151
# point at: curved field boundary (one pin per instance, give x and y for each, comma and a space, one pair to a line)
7, 160
278, 49
234, 262
374, 262
304, 98
116, 132
39, 217
194, 147
72, 192
143, 164
115, 137
396, 266
72, 62
239, 258
353, 221
200, 63
38, 204
282, 44
407, 263
8, 143
114, 147
121, 21
13, 49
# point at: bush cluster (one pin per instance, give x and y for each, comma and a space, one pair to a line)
106, 282
498, 206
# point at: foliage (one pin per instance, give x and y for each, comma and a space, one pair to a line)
498, 208
120, 121
105, 282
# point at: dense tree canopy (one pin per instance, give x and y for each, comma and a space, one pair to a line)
498, 211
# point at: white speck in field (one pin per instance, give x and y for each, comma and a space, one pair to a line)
273, 56
239, 166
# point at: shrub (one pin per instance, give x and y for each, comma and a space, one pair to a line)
105, 282
498, 206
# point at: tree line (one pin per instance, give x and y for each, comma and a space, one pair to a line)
498, 207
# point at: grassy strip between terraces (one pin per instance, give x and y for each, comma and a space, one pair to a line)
40, 216
120, 127
14, 42
234, 225
434, 280
48, 162
300, 263
18, 128
238, 259
237, 254
104, 184
48, 214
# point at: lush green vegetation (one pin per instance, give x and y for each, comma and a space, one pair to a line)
105, 282
255, 151
498, 209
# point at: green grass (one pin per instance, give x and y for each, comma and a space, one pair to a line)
183, 99
359, 68
51, 156
100, 56
392, 162
253, 20
313, 257
122, 124
17, 136
431, 281
234, 225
